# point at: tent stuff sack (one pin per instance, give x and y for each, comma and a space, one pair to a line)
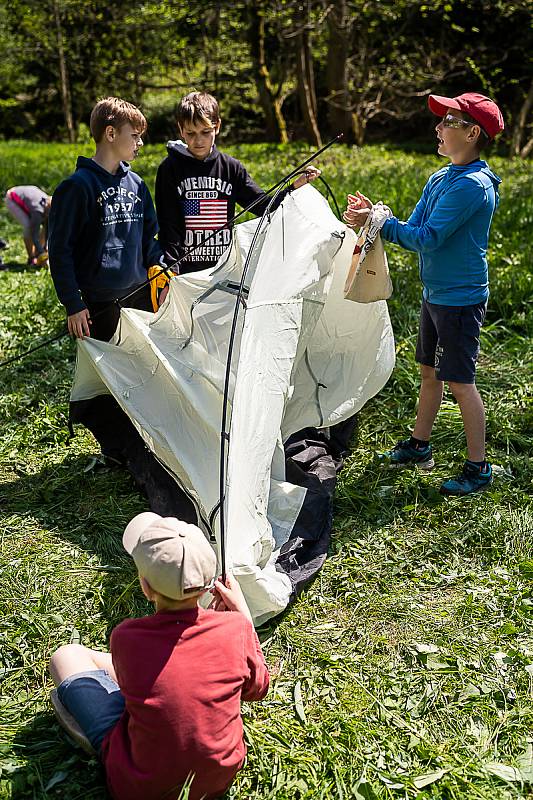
304, 362
368, 278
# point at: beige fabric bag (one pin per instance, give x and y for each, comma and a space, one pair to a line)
368, 279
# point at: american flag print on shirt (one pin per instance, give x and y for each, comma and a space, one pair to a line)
205, 214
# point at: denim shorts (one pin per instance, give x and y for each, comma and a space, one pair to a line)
95, 701
448, 340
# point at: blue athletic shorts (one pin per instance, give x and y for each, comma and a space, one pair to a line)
448, 340
95, 701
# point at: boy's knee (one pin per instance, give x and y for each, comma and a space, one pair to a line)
427, 373
461, 389
66, 651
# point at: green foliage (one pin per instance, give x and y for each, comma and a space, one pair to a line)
396, 52
406, 669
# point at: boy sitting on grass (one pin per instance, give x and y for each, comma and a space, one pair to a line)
449, 228
197, 188
103, 226
165, 703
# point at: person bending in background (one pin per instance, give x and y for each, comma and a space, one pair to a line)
30, 206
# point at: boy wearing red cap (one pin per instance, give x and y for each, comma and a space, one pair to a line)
164, 706
449, 228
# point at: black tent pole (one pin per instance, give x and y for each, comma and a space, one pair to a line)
224, 433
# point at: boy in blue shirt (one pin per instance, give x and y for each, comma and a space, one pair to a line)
449, 228
103, 225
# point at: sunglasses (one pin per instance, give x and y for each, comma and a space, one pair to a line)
449, 121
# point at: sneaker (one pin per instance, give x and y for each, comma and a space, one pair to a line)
404, 454
469, 481
67, 721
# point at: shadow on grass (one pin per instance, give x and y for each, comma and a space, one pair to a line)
17, 266
73, 499
71, 774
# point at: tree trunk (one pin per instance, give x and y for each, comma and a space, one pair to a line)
518, 148
63, 76
276, 129
339, 114
305, 77
359, 127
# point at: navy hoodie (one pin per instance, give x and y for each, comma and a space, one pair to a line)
195, 199
101, 235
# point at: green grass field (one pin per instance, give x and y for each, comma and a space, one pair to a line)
406, 669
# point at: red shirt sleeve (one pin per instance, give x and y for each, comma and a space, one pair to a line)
257, 679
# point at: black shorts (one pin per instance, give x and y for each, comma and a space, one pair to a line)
448, 340
105, 316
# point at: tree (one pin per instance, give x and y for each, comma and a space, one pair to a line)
521, 145
270, 98
305, 71
279, 67
63, 73
340, 24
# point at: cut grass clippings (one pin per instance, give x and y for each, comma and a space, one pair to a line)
406, 668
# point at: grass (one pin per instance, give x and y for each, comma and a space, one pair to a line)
406, 668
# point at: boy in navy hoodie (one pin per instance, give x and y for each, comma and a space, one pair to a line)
449, 228
197, 188
103, 225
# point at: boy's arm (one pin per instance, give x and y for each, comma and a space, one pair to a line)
451, 211
229, 597
68, 216
257, 681
415, 218
169, 213
151, 248
246, 191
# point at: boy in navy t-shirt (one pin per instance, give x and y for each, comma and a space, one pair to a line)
449, 228
103, 225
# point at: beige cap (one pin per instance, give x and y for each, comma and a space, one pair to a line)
174, 556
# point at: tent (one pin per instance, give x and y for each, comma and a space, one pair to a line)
304, 361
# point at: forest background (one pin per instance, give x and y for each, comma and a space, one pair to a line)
283, 70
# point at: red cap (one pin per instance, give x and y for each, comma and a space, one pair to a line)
480, 108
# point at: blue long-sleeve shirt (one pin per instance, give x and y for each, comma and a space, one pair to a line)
449, 229
102, 232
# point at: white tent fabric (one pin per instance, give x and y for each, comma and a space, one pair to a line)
303, 356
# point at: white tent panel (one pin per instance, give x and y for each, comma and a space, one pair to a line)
303, 356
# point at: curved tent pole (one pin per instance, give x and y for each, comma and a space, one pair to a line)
224, 433
330, 192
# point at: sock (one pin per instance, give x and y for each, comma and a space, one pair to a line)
418, 444
481, 465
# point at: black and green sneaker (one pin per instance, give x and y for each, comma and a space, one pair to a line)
406, 454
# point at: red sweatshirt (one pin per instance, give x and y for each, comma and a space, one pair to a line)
183, 675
